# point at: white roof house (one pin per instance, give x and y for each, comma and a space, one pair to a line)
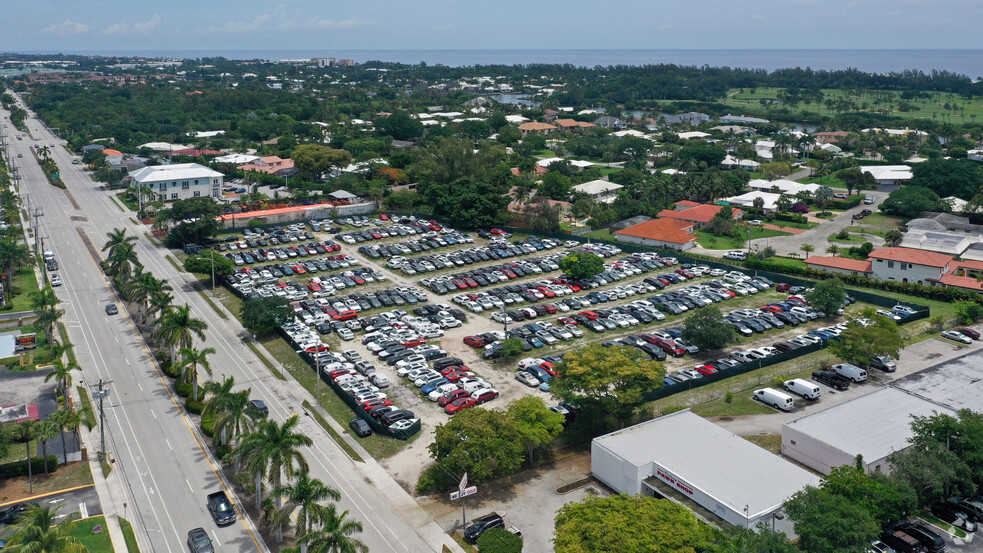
888, 174
785, 186
162, 146
630, 132
578, 163
207, 134
600, 190
873, 425
179, 181
692, 134
516, 119
238, 159
731, 162
688, 455
747, 199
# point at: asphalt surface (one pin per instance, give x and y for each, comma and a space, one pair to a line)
164, 468
83, 501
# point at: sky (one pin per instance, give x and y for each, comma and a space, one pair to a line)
114, 26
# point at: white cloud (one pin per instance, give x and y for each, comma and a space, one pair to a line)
123, 28
281, 21
345, 24
65, 28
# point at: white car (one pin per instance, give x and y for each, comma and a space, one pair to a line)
55, 280
957, 337
527, 378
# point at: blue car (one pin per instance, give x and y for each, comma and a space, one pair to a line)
427, 388
545, 386
820, 334
668, 381
535, 341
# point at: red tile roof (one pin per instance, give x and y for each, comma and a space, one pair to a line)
536, 126
687, 203
573, 123
913, 256
962, 280
672, 231
839, 263
701, 213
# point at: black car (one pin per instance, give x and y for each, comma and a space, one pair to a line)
360, 427
199, 542
950, 513
260, 407
111, 309
482, 525
932, 542
831, 379
394, 416
9, 514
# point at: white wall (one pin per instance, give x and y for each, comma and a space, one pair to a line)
811, 452
616, 472
883, 270
654, 243
206, 187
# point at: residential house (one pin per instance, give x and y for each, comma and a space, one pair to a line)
550, 115
830, 137
692, 134
782, 186
730, 162
965, 274
888, 174
573, 124
746, 200
909, 265
698, 214
691, 117
178, 181
609, 122
668, 233
599, 190
741, 119
535, 127
271, 165
578, 164
839, 265
734, 129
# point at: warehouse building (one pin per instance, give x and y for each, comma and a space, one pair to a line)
178, 181
689, 459
957, 384
874, 426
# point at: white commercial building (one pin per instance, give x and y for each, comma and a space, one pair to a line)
888, 174
179, 181
874, 426
957, 384
684, 455
599, 190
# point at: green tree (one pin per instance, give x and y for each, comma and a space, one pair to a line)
823, 196
176, 327
511, 347
263, 315
783, 203
721, 224
855, 179
191, 360
499, 540
825, 521
46, 430
582, 265
62, 373
628, 523
932, 470
509, 135
828, 296
313, 160
480, 442
44, 305
635, 149
859, 344
141, 289
776, 170
13, 256
893, 238
334, 533
968, 311
120, 265
537, 425
69, 420
737, 539
400, 126
204, 262
952, 453
886, 498
304, 495
707, 329
116, 238
614, 380
467, 204
807, 249
701, 154
555, 186
232, 414
39, 530
910, 201
25, 432
962, 178
274, 449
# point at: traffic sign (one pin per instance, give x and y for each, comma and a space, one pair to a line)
463, 484
464, 493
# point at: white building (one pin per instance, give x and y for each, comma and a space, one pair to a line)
179, 181
599, 190
685, 455
908, 264
957, 384
784, 186
747, 200
874, 425
888, 174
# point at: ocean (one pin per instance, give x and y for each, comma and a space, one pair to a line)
966, 62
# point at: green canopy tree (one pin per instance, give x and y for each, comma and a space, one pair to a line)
737, 539
825, 521
335, 533
400, 126
581, 265
886, 498
827, 296
25, 432
628, 523
859, 344
303, 495
707, 329
13, 256
480, 442
313, 160
191, 360
614, 380
39, 530
263, 315
910, 201
176, 327
537, 425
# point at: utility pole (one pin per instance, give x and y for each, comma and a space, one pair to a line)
101, 394
211, 253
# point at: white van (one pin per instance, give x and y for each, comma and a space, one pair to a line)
853, 372
778, 400
806, 389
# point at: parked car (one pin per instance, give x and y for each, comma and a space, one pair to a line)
969, 332
883, 363
958, 337
481, 525
831, 379
952, 514
360, 427
932, 542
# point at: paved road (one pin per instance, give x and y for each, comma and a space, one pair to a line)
160, 455
83, 501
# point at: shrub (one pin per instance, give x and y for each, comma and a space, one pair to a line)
499, 540
19, 468
791, 217
433, 479
194, 407
729, 397
206, 426
183, 389
843, 234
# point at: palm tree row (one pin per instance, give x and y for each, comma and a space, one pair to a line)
261, 445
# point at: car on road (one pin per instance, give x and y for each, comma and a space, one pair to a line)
221, 508
956, 337
111, 309
360, 427
260, 407
199, 542
55, 280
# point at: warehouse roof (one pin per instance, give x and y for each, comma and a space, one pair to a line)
177, 171
957, 384
873, 425
709, 458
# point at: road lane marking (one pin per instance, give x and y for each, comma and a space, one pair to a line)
138, 384
189, 485
216, 538
168, 444
83, 510
154, 414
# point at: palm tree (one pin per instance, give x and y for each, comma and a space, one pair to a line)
176, 327
230, 410
159, 303
305, 493
46, 430
833, 249
192, 359
334, 535
38, 530
63, 374
24, 433
274, 449
823, 196
142, 287
70, 420
43, 304
122, 261
807, 248
13, 256
117, 237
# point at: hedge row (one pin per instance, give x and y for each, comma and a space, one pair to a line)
19, 468
909, 288
851, 201
790, 217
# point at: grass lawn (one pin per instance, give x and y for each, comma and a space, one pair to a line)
93, 542
605, 171
771, 442
875, 231
123, 199
24, 283
131, 540
710, 241
788, 224
788, 262
741, 404
602, 234
72, 475
882, 220
831, 182
851, 239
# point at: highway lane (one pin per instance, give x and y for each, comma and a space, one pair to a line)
385, 530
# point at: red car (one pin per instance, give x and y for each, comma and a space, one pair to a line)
548, 367
705, 370
969, 332
670, 347
383, 217
454, 376
313, 286
783, 286
459, 404
414, 342
590, 315
475, 341
340, 372
369, 404
456, 394
566, 321
497, 231
452, 369
346, 315
550, 308
772, 308
483, 395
